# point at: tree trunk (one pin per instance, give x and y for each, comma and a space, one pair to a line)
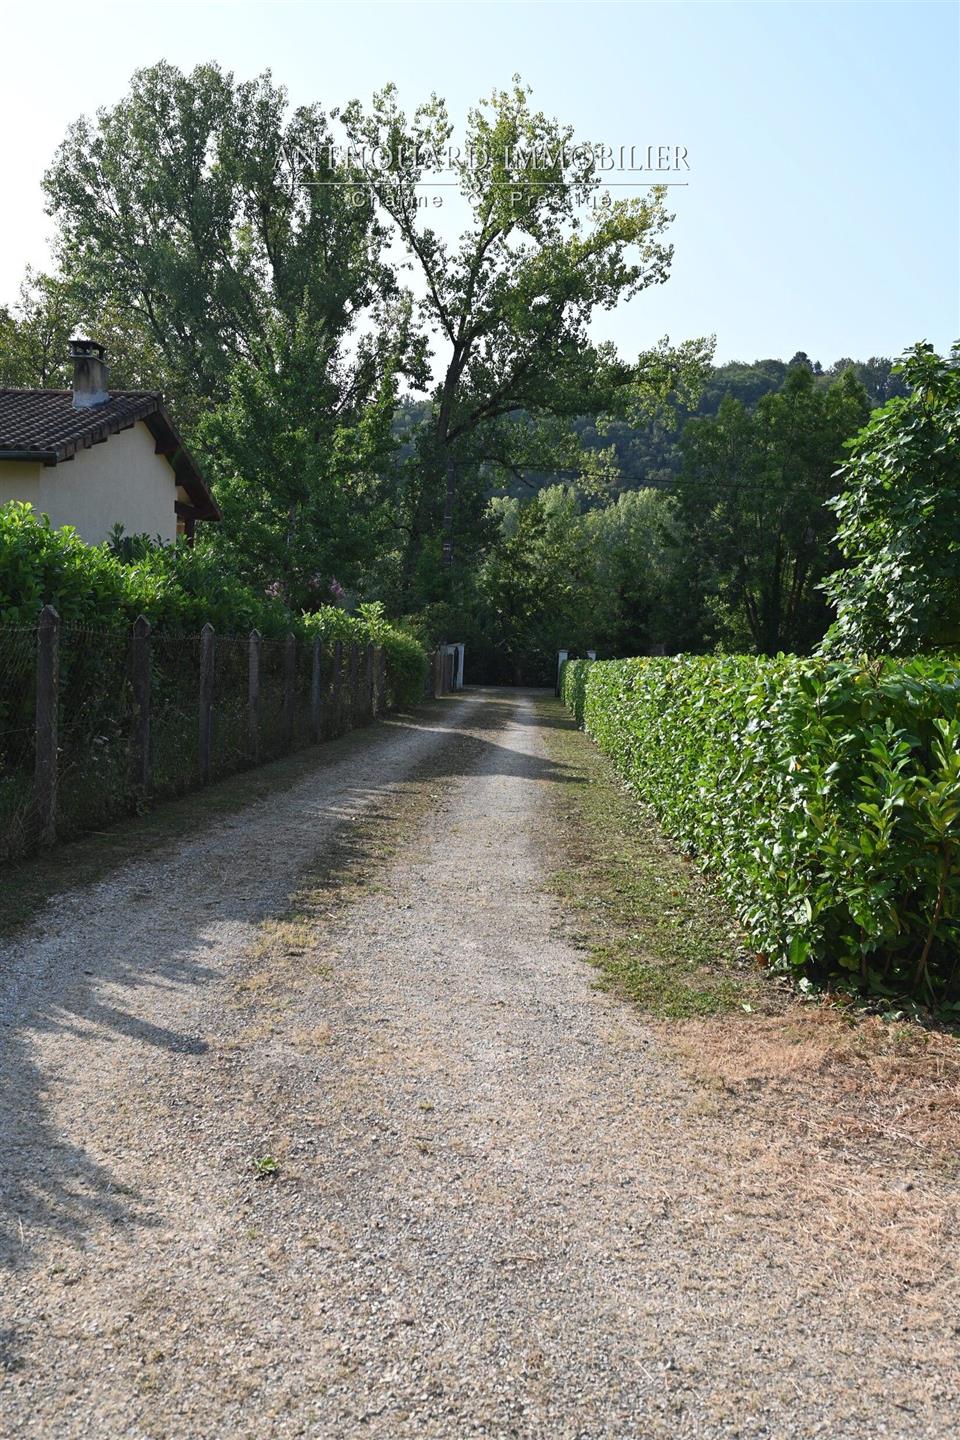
449, 501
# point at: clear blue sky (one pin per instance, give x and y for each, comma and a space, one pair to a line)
823, 210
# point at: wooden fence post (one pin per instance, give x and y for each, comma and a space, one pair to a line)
369, 698
253, 695
316, 690
207, 662
48, 691
381, 697
289, 688
140, 668
354, 681
337, 698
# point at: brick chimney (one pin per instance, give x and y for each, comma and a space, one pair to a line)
89, 374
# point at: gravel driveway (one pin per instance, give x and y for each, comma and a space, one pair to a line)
494, 1205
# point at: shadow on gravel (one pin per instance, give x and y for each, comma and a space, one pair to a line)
63, 982
47, 1182
544, 712
487, 710
475, 753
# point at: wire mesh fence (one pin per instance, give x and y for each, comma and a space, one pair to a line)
94, 708
96, 722
174, 713
272, 739
303, 722
18, 670
232, 745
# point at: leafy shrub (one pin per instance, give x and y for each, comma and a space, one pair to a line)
177, 589
899, 519
42, 566
406, 657
823, 796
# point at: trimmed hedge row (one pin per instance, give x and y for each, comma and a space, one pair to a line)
178, 589
824, 797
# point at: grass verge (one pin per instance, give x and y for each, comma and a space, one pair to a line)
868, 1089
653, 928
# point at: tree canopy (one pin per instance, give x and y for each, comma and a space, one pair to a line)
392, 414
898, 518
752, 503
265, 293
509, 305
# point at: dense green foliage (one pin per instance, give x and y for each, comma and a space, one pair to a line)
733, 556
823, 796
650, 452
508, 310
408, 444
560, 573
205, 226
263, 298
35, 333
899, 519
176, 588
752, 497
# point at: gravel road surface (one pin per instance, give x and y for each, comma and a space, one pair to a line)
488, 1203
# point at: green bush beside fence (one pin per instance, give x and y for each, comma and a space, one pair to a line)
97, 599
824, 797
178, 590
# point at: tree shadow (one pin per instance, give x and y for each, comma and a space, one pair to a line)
534, 708
65, 979
48, 1182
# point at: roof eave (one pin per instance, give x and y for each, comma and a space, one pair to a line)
43, 457
170, 444
146, 406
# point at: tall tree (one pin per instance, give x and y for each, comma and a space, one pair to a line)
881, 377
202, 209
34, 335
180, 204
537, 583
510, 304
50, 310
634, 555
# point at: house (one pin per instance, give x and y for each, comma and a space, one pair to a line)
92, 457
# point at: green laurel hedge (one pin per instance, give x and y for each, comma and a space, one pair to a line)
824, 797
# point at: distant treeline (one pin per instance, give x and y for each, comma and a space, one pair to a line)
650, 455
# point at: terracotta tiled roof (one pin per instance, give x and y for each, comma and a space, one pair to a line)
44, 424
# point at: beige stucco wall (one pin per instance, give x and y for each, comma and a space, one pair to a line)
121, 480
19, 480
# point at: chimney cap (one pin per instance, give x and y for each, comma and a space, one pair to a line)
89, 374
84, 349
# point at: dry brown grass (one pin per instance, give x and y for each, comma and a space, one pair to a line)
852, 1082
853, 1125
861, 1233
283, 937
857, 1086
